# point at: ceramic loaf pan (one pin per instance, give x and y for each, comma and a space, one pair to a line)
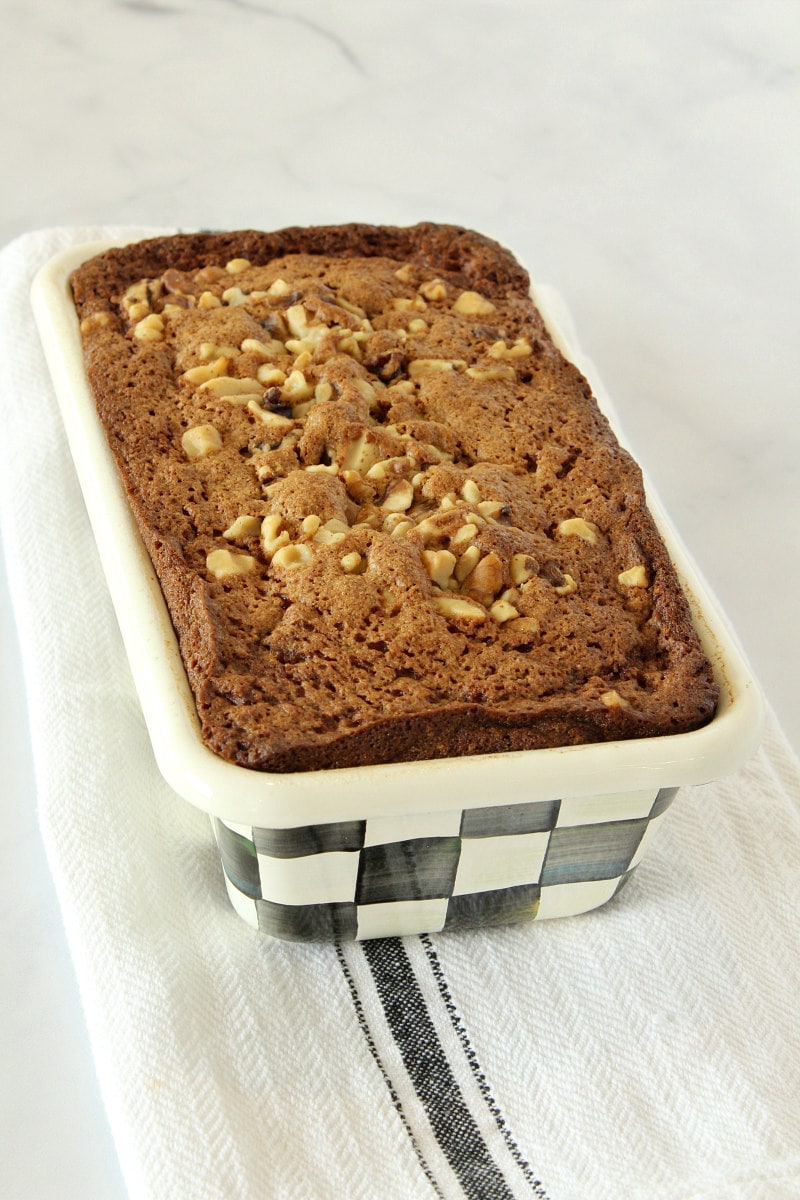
401, 848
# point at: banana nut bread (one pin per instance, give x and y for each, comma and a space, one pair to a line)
388, 518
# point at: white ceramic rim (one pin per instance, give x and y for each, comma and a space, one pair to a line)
248, 797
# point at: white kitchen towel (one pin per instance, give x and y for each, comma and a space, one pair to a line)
649, 1050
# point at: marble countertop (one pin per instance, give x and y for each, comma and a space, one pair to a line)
642, 158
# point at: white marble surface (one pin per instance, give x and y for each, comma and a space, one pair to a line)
642, 157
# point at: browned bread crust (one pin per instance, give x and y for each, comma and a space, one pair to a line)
412, 534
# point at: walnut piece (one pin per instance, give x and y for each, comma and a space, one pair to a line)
201, 440
222, 563
473, 304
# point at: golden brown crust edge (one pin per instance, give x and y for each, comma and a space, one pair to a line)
484, 264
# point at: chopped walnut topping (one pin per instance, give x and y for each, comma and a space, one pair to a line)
332, 532
362, 454
422, 366
298, 320
222, 563
311, 524
391, 520
208, 371
210, 351
98, 320
270, 376
437, 453
473, 304
351, 562
365, 388
136, 301
209, 300
463, 535
279, 288
293, 555
226, 386
201, 440
577, 527
402, 528
269, 349
455, 606
467, 563
491, 373
524, 625
471, 492
349, 344
399, 497
523, 568
277, 424
520, 348
369, 408
403, 387
243, 527
635, 577
491, 509
434, 528
501, 611
403, 304
357, 486
567, 587
297, 387
355, 310
272, 537
234, 297
434, 289
149, 329
439, 564
485, 580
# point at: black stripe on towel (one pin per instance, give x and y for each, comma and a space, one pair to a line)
480, 1078
362, 1020
424, 1058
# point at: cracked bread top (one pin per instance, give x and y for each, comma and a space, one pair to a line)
388, 518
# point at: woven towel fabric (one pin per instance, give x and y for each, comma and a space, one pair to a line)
649, 1050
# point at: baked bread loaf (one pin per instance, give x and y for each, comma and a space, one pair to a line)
388, 517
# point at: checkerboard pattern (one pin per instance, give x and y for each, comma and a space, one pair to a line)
422, 873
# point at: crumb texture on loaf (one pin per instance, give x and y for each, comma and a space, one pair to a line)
388, 517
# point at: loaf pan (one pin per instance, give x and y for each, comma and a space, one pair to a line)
402, 848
